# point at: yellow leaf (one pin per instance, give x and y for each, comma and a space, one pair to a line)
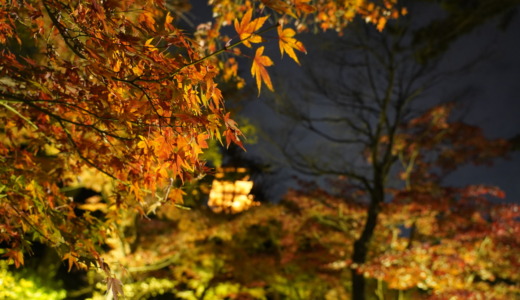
246, 28
258, 69
19, 258
169, 19
288, 43
176, 195
71, 259
134, 188
117, 66
143, 144
137, 71
148, 45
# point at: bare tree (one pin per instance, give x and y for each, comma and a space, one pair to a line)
346, 114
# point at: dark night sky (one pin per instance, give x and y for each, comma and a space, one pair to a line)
494, 101
496, 105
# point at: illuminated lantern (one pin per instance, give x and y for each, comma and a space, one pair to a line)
230, 191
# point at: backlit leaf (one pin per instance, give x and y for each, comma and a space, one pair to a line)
246, 28
260, 62
288, 43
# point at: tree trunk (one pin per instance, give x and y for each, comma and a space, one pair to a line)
361, 244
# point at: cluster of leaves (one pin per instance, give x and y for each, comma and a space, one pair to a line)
118, 87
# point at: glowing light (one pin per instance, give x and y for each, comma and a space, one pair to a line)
231, 196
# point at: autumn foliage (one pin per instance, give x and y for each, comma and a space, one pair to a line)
117, 89
432, 241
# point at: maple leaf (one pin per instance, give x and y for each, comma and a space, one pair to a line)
258, 69
288, 43
246, 28
116, 286
16, 256
233, 132
168, 20
71, 258
202, 140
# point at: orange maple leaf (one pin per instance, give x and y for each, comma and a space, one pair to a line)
246, 28
72, 259
258, 69
16, 256
288, 43
302, 6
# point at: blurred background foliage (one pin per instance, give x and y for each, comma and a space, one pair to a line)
28, 284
